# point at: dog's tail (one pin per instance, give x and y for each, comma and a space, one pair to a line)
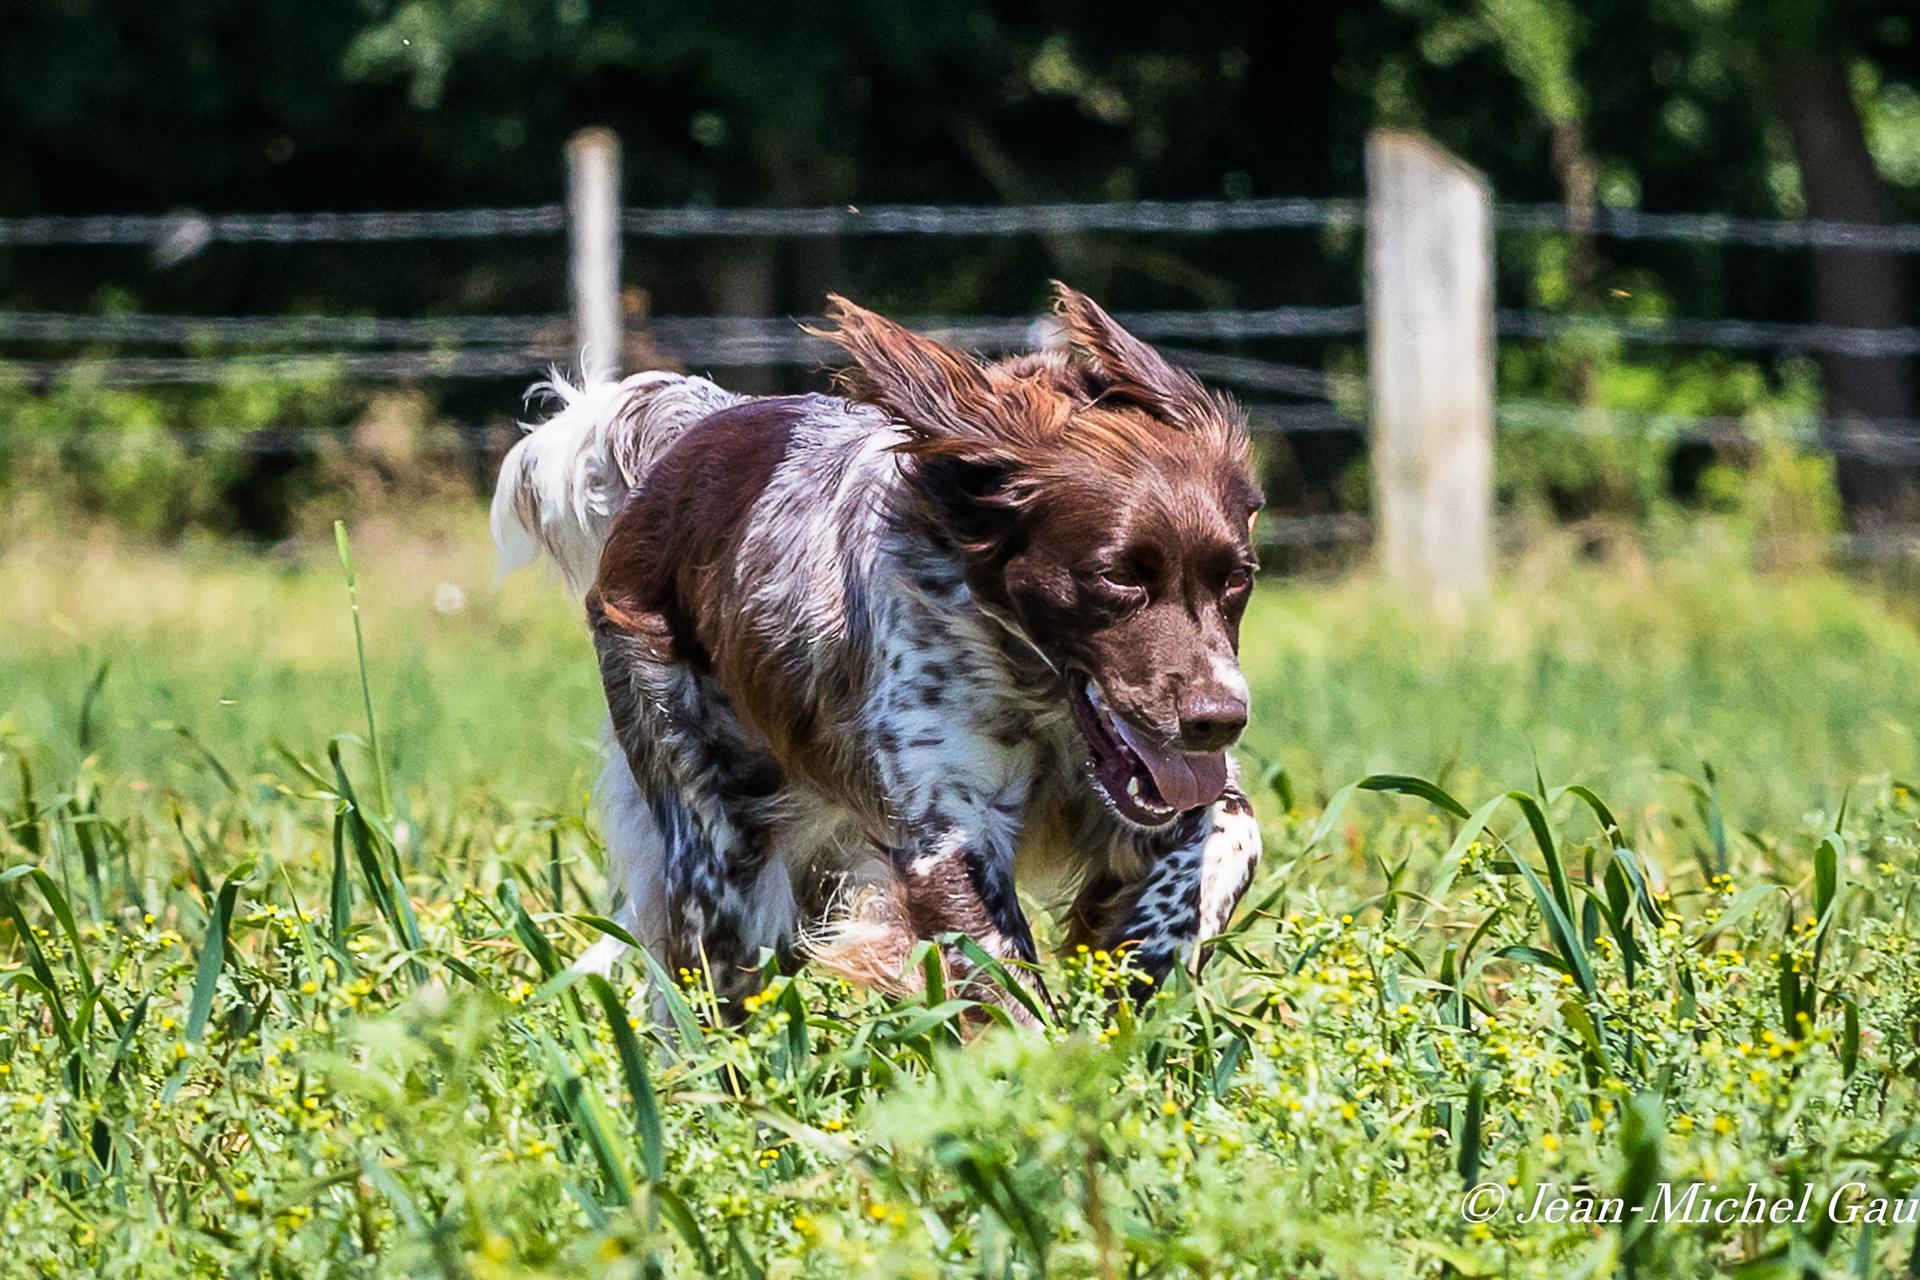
562, 484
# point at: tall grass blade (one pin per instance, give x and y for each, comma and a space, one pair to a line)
36, 958
1549, 849
1329, 817
1469, 1163
128, 1030
527, 931
360, 653
340, 889
213, 955
1559, 928
668, 992
633, 1064
88, 702
1407, 785
1640, 1139
1456, 853
1005, 978
385, 884
590, 1117
63, 914
207, 757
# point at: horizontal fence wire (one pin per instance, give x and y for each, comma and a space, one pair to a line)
776, 340
1742, 334
292, 330
702, 341
1889, 440
186, 232
149, 371
1180, 217
182, 233
46, 326
275, 440
1710, 228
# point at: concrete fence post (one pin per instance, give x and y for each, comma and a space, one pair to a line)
593, 235
1430, 366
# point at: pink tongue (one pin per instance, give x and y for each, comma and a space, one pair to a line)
1184, 781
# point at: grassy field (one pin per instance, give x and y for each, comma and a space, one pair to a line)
265, 1021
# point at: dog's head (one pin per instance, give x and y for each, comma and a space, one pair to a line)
1104, 504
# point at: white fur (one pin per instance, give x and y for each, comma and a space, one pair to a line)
571, 473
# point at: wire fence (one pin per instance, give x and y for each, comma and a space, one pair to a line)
191, 230
240, 350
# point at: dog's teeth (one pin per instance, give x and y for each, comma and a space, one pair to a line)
1133, 787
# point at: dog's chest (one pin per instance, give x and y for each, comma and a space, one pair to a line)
949, 707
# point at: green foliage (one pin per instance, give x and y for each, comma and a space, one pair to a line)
196, 1081
157, 465
257, 1025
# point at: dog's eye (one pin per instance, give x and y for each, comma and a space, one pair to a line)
1121, 578
1241, 579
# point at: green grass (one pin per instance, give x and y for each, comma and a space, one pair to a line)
1792, 686
258, 1024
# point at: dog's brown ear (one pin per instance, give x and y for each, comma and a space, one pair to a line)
1131, 367
939, 393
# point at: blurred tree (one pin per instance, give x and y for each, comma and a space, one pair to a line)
1745, 106
1738, 106
1806, 51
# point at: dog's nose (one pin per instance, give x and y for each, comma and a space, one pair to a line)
1210, 719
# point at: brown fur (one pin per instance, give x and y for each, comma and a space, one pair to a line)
669, 547
1053, 474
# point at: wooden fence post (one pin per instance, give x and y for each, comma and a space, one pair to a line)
1430, 366
593, 233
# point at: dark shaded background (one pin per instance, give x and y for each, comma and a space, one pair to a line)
1671, 105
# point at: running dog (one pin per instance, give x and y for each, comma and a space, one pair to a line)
873, 660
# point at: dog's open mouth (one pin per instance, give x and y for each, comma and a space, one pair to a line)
1149, 784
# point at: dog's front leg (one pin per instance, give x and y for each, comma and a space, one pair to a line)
958, 881
1195, 871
